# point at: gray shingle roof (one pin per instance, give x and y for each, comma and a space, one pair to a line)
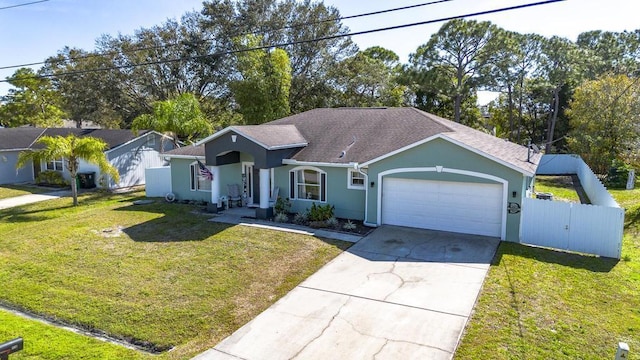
346, 135
362, 133
497, 148
18, 138
190, 150
113, 137
273, 136
24, 138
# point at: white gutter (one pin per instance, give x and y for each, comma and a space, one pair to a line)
191, 157
357, 168
313, 163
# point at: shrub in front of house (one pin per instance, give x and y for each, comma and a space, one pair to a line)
52, 178
321, 212
301, 218
281, 217
333, 223
282, 206
349, 226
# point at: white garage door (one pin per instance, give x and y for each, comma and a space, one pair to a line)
462, 207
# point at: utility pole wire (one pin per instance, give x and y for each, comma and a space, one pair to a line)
280, 45
293, 26
23, 4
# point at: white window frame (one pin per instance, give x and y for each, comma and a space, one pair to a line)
350, 177
322, 190
56, 165
151, 140
195, 178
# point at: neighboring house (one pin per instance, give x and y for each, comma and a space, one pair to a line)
399, 166
129, 153
12, 142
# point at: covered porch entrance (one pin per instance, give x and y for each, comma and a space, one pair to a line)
257, 150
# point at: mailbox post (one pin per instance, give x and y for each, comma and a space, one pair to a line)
10, 347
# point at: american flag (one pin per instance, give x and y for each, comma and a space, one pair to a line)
204, 172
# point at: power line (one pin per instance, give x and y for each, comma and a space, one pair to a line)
23, 4
294, 26
280, 45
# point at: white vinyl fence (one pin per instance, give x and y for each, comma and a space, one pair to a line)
158, 181
593, 229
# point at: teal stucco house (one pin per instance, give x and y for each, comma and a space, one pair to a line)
398, 166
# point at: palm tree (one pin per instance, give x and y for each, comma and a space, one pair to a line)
72, 149
180, 118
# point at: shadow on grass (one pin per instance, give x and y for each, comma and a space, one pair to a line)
178, 223
48, 209
576, 261
19, 215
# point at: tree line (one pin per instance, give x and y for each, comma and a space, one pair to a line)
579, 96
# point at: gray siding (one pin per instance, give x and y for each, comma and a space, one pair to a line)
8, 173
349, 203
132, 159
180, 181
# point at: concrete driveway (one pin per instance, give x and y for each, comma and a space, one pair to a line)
399, 293
31, 198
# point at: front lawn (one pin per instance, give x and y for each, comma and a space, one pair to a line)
8, 191
544, 304
158, 274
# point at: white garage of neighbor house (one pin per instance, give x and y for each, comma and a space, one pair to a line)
398, 166
129, 153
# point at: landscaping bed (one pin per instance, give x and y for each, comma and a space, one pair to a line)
318, 217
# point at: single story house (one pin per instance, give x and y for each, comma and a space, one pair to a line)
398, 166
129, 153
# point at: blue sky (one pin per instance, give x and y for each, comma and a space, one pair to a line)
32, 33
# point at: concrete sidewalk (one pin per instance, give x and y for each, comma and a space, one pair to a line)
32, 198
399, 293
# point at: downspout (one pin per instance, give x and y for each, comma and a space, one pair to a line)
357, 168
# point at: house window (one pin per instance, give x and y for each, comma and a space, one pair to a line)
355, 180
55, 164
308, 184
198, 182
151, 140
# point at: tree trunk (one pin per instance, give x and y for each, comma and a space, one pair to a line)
520, 110
510, 96
456, 107
457, 101
553, 119
74, 188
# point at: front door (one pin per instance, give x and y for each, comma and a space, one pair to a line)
247, 182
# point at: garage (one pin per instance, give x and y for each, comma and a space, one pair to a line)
462, 207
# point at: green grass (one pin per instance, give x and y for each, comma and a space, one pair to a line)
170, 279
49, 342
7, 191
543, 304
560, 186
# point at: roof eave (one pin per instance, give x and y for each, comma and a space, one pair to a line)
316, 163
252, 139
463, 145
146, 132
288, 146
178, 156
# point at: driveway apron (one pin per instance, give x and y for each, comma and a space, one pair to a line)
399, 293
31, 198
